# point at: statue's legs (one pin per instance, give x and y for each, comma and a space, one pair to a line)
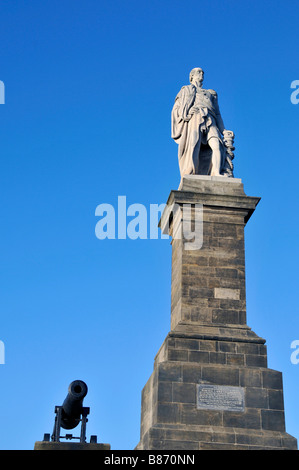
214, 144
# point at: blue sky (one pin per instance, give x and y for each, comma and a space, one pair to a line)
89, 87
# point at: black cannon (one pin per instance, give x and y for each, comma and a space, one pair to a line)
71, 413
72, 407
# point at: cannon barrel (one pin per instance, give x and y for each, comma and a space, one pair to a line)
72, 405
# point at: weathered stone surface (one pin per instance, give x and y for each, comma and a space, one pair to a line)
215, 438
208, 285
210, 343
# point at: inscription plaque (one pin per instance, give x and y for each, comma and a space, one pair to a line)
220, 397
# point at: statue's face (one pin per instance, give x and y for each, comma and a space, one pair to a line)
197, 77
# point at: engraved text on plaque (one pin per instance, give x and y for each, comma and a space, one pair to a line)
220, 397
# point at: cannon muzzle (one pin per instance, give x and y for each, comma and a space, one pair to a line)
72, 405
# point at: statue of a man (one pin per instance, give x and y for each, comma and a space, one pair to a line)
205, 146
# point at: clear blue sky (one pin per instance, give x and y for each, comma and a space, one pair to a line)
89, 90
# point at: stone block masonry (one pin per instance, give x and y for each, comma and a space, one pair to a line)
211, 387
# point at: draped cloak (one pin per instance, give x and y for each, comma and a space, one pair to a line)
192, 134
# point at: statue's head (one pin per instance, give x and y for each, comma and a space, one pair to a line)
196, 75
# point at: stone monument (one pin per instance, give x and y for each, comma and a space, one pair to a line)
210, 388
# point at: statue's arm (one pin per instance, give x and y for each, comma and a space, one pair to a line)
180, 109
220, 123
219, 120
179, 114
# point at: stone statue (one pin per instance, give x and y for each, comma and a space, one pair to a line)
205, 146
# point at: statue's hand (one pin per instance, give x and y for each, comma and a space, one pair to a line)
193, 110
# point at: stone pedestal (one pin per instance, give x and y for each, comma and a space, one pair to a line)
43, 445
210, 387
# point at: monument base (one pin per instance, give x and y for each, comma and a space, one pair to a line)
211, 387
215, 392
